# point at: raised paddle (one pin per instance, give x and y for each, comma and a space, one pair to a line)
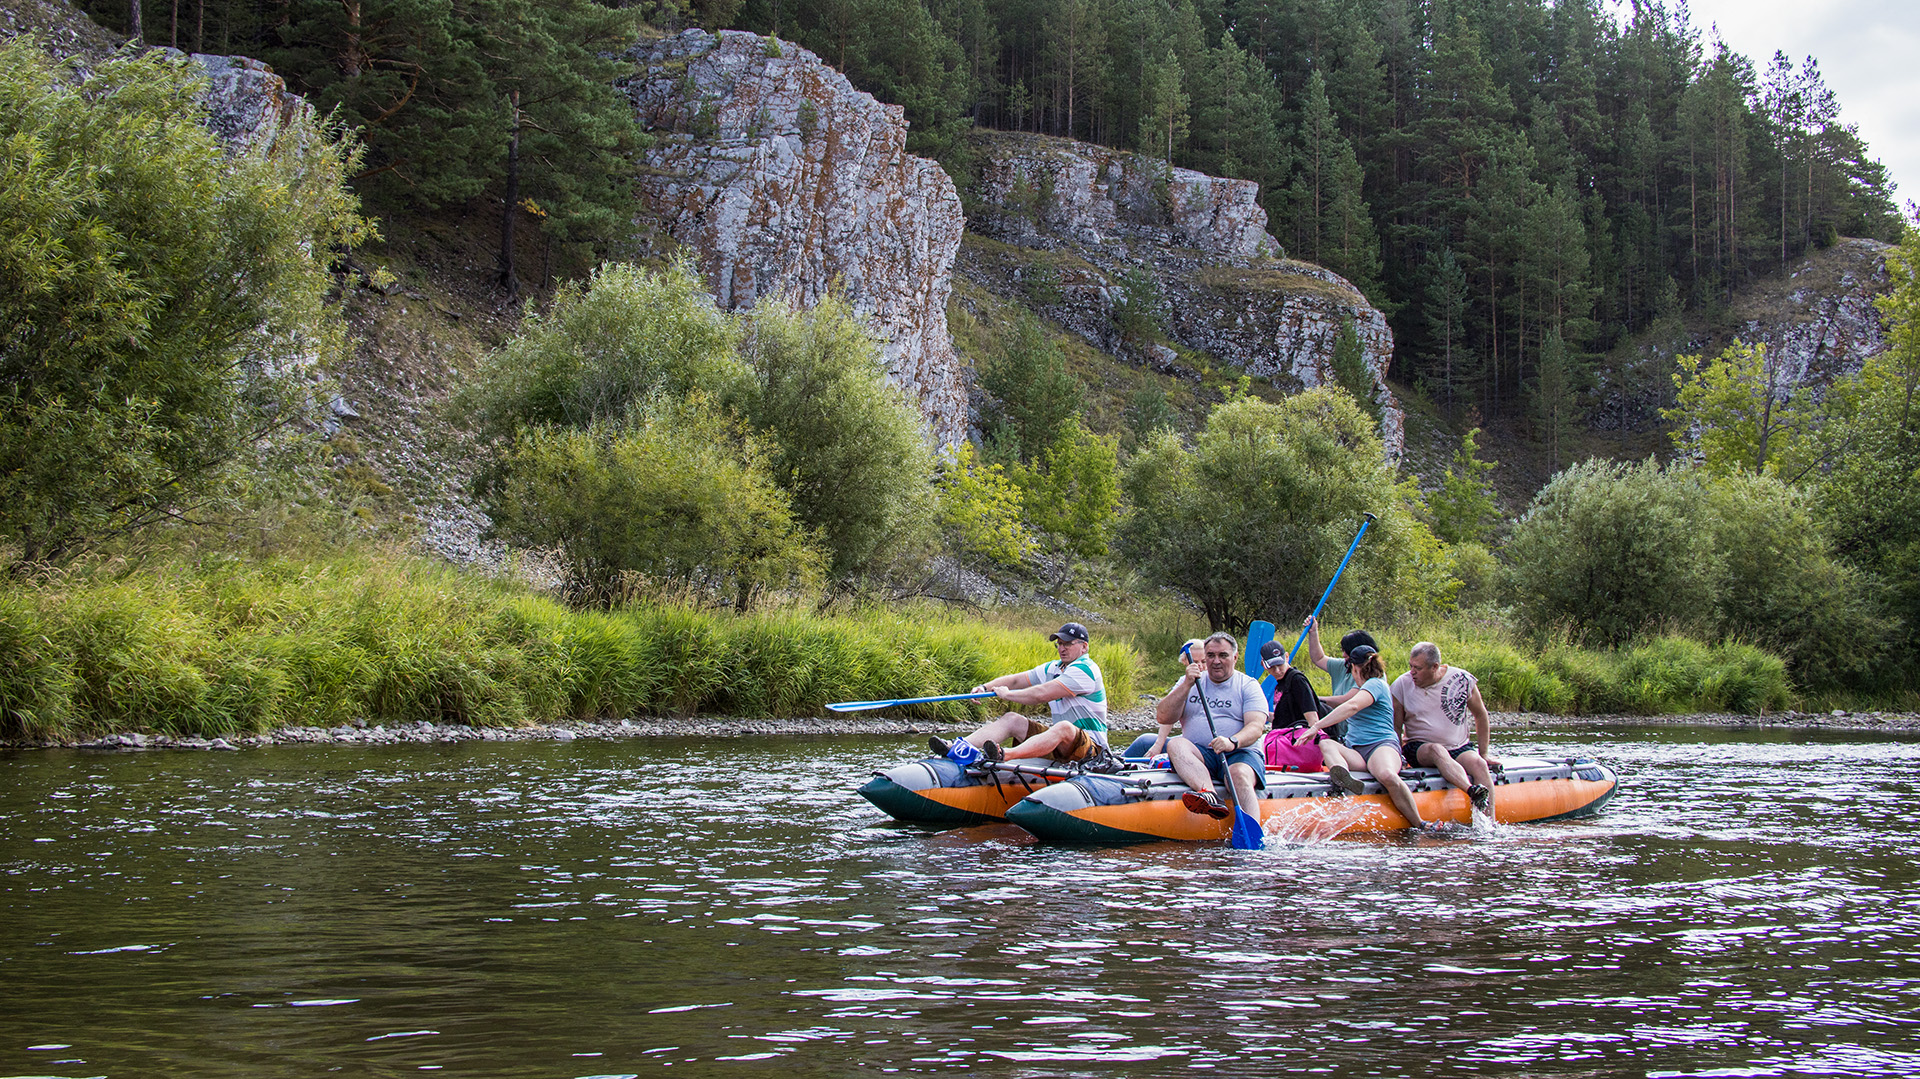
1259, 632
1336, 580
867, 706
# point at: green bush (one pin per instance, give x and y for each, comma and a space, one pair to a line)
676, 495
163, 297
1254, 518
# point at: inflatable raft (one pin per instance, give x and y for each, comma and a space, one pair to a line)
938, 791
1143, 806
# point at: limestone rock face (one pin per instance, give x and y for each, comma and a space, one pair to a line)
783, 179
1076, 222
1825, 326
247, 104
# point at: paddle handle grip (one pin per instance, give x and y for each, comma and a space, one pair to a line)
867, 706
1351, 547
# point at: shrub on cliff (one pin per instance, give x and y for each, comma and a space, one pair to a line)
159, 295
847, 445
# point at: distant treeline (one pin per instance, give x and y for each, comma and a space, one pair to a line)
1494, 173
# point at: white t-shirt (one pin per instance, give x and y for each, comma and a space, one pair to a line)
1087, 708
1231, 702
1439, 712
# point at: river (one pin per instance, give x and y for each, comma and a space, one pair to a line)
1747, 906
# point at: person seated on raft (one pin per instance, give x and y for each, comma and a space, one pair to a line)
1337, 669
1072, 687
1295, 705
1374, 742
1218, 731
1150, 746
1431, 703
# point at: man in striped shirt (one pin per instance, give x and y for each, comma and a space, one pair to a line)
1072, 689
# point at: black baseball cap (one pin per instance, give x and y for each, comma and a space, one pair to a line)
1361, 653
1271, 651
1072, 631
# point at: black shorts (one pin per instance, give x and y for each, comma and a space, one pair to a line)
1412, 750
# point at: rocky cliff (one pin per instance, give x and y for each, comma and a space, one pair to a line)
1093, 218
783, 179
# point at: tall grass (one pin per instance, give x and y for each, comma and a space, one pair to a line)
228, 646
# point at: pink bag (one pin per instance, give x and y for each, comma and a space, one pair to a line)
1284, 756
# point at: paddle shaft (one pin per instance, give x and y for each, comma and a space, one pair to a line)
1351, 547
865, 706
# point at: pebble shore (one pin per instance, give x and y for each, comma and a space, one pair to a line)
361, 733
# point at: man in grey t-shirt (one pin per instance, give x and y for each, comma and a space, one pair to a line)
1220, 732
1432, 703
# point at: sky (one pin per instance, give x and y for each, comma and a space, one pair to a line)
1869, 53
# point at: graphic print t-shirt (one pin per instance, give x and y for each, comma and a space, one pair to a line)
1437, 713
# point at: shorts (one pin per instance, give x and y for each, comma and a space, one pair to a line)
1081, 747
1412, 751
1217, 765
1366, 751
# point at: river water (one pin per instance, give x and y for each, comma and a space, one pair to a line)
1748, 906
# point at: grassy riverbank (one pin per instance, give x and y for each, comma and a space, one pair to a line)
222, 646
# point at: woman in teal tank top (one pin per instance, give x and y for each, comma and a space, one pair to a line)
1372, 744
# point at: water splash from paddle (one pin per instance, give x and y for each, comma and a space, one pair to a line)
1316, 821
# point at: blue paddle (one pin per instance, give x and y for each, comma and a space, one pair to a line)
1330, 584
866, 706
1259, 632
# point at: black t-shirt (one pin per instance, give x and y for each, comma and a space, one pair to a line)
1292, 698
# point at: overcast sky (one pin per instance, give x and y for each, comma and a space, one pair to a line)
1869, 51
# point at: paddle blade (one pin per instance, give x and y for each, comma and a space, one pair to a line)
1247, 833
1258, 634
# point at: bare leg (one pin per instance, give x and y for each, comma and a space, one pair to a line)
1476, 768
1240, 777
1385, 766
1044, 744
1188, 765
1434, 756
1010, 727
1332, 753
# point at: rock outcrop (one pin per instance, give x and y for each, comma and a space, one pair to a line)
1096, 217
1820, 319
783, 179
247, 104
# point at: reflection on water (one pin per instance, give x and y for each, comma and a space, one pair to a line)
1747, 907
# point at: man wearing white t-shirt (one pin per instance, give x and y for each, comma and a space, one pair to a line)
1431, 703
1071, 687
1223, 721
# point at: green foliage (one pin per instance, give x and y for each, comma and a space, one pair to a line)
1350, 369
1141, 308
1734, 413
674, 495
1252, 521
980, 511
1071, 492
431, 86
1031, 394
223, 646
620, 338
162, 295
1554, 398
1612, 551
1148, 412
846, 445
1463, 508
